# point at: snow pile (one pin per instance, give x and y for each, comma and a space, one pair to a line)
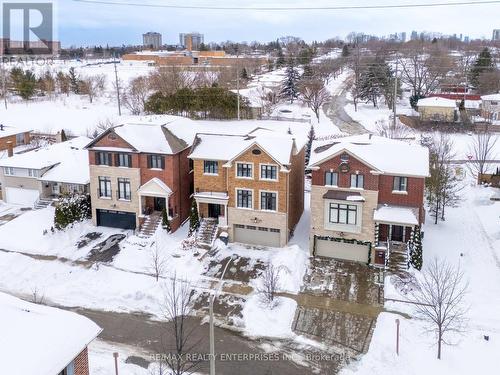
260, 320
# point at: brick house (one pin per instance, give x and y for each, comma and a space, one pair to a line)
39, 339
16, 136
252, 185
136, 171
367, 193
491, 107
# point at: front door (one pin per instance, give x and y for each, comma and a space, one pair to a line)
213, 210
397, 233
159, 204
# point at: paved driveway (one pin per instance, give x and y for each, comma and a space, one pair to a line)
340, 303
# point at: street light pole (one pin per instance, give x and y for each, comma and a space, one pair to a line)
211, 312
397, 337
115, 356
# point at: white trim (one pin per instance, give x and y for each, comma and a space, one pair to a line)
236, 199
277, 200
242, 177
400, 192
269, 179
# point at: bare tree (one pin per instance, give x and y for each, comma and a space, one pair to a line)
102, 126
92, 85
37, 296
389, 129
157, 259
314, 95
136, 95
482, 151
177, 336
439, 299
270, 280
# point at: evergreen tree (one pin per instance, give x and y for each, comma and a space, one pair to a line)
289, 89
308, 72
194, 219
345, 51
72, 209
165, 221
280, 61
482, 65
375, 82
74, 82
27, 85
244, 74
416, 254
310, 139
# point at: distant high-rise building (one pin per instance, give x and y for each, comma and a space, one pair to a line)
191, 41
403, 36
152, 40
466, 39
414, 35
496, 34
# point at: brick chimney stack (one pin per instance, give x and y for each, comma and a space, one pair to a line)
10, 149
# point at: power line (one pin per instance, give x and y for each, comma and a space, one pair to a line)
336, 7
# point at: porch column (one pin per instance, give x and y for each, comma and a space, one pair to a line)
389, 234
404, 234
197, 207
140, 205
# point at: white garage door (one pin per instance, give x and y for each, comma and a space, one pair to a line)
342, 250
257, 235
24, 197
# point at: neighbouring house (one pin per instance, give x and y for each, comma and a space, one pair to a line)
437, 109
136, 171
17, 136
367, 195
34, 178
42, 340
491, 107
250, 185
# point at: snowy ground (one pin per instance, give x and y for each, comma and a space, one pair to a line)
472, 229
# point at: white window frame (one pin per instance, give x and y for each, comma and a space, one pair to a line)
357, 177
334, 172
269, 165
244, 177
32, 172
8, 171
398, 190
122, 181
260, 200
106, 180
209, 173
251, 201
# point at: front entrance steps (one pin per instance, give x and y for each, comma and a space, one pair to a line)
150, 225
207, 233
42, 203
398, 258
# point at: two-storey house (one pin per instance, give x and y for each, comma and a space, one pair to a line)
491, 107
253, 184
136, 171
367, 192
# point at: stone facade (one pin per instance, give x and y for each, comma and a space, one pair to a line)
114, 203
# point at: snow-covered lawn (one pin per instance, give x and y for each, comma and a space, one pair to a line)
470, 236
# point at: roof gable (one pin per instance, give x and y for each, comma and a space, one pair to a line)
109, 138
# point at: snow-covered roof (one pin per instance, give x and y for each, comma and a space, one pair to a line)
395, 215
385, 155
436, 101
491, 97
40, 340
155, 187
69, 161
224, 147
9, 130
472, 104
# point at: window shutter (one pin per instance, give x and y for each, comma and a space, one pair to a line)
110, 159
149, 161
117, 160
129, 161
162, 162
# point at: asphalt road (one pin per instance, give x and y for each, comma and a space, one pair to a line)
153, 337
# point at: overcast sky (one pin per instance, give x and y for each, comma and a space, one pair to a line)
89, 24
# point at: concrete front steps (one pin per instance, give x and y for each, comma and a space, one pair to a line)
207, 232
150, 225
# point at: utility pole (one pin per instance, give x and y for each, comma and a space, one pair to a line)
4, 85
211, 312
115, 356
238, 84
117, 87
397, 336
395, 94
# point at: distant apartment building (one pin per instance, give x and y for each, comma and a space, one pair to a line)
496, 34
152, 40
191, 41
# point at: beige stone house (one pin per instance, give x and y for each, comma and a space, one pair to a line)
251, 185
367, 194
491, 107
437, 109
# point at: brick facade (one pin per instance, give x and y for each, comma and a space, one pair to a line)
82, 363
12, 138
176, 175
289, 188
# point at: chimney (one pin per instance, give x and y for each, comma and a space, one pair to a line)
10, 149
1, 126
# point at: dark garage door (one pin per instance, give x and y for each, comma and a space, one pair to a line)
116, 219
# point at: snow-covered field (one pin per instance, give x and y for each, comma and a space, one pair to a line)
470, 236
